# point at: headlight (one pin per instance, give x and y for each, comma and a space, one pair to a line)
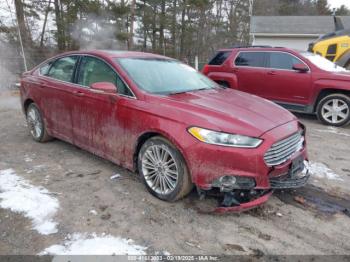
224, 139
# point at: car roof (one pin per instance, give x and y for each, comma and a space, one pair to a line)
117, 54
256, 48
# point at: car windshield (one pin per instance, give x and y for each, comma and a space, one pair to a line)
165, 76
323, 63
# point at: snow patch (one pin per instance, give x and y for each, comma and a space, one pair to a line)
93, 212
320, 170
116, 176
83, 244
35, 203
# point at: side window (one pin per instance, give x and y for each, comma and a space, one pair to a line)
44, 70
282, 61
220, 58
63, 68
93, 70
252, 59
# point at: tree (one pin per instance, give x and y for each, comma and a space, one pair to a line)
343, 10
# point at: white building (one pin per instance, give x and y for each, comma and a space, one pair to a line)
291, 31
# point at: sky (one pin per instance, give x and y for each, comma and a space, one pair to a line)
338, 3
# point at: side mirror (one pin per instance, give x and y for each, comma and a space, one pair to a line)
105, 87
301, 68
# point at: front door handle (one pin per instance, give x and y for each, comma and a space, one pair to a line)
271, 73
79, 93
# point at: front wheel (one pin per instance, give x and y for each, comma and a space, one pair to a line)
334, 110
163, 170
36, 124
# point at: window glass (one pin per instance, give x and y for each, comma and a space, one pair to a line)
220, 58
164, 76
44, 70
93, 70
254, 59
63, 68
282, 61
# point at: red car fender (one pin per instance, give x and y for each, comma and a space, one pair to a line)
329, 85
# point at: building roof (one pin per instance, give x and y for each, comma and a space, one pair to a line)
295, 25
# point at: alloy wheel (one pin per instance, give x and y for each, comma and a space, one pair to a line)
160, 169
335, 111
34, 122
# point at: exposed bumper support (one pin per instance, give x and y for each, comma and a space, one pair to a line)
245, 206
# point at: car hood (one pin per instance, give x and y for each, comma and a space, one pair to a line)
232, 111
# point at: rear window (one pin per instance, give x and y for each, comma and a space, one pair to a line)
220, 58
253, 59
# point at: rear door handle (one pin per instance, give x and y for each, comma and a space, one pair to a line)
271, 73
79, 93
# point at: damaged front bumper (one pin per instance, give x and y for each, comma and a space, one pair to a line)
244, 206
243, 200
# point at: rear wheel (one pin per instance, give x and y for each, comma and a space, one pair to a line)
164, 170
36, 124
334, 110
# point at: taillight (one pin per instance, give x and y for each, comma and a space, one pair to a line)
205, 70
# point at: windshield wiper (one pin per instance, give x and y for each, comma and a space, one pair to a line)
187, 91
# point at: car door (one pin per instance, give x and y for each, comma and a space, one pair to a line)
97, 122
286, 85
57, 91
248, 66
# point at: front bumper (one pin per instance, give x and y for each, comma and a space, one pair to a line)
208, 163
245, 206
288, 180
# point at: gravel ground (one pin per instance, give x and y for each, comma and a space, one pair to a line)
312, 220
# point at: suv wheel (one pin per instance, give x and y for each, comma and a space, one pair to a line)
36, 124
334, 110
163, 170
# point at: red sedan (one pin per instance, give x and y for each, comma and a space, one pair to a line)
162, 118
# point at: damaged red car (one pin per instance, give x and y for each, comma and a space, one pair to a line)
174, 126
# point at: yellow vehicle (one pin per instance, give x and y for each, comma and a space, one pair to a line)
334, 46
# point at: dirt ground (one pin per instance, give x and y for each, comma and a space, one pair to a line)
312, 220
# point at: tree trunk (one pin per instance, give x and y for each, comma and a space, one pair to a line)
154, 29
173, 28
27, 41
60, 30
44, 25
145, 27
161, 27
183, 28
132, 20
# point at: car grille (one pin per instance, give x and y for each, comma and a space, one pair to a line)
281, 151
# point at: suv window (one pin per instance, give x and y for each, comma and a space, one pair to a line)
220, 58
253, 59
93, 70
279, 60
63, 68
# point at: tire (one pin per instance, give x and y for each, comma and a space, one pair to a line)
151, 168
36, 124
329, 110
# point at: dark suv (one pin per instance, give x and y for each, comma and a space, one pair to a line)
299, 81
